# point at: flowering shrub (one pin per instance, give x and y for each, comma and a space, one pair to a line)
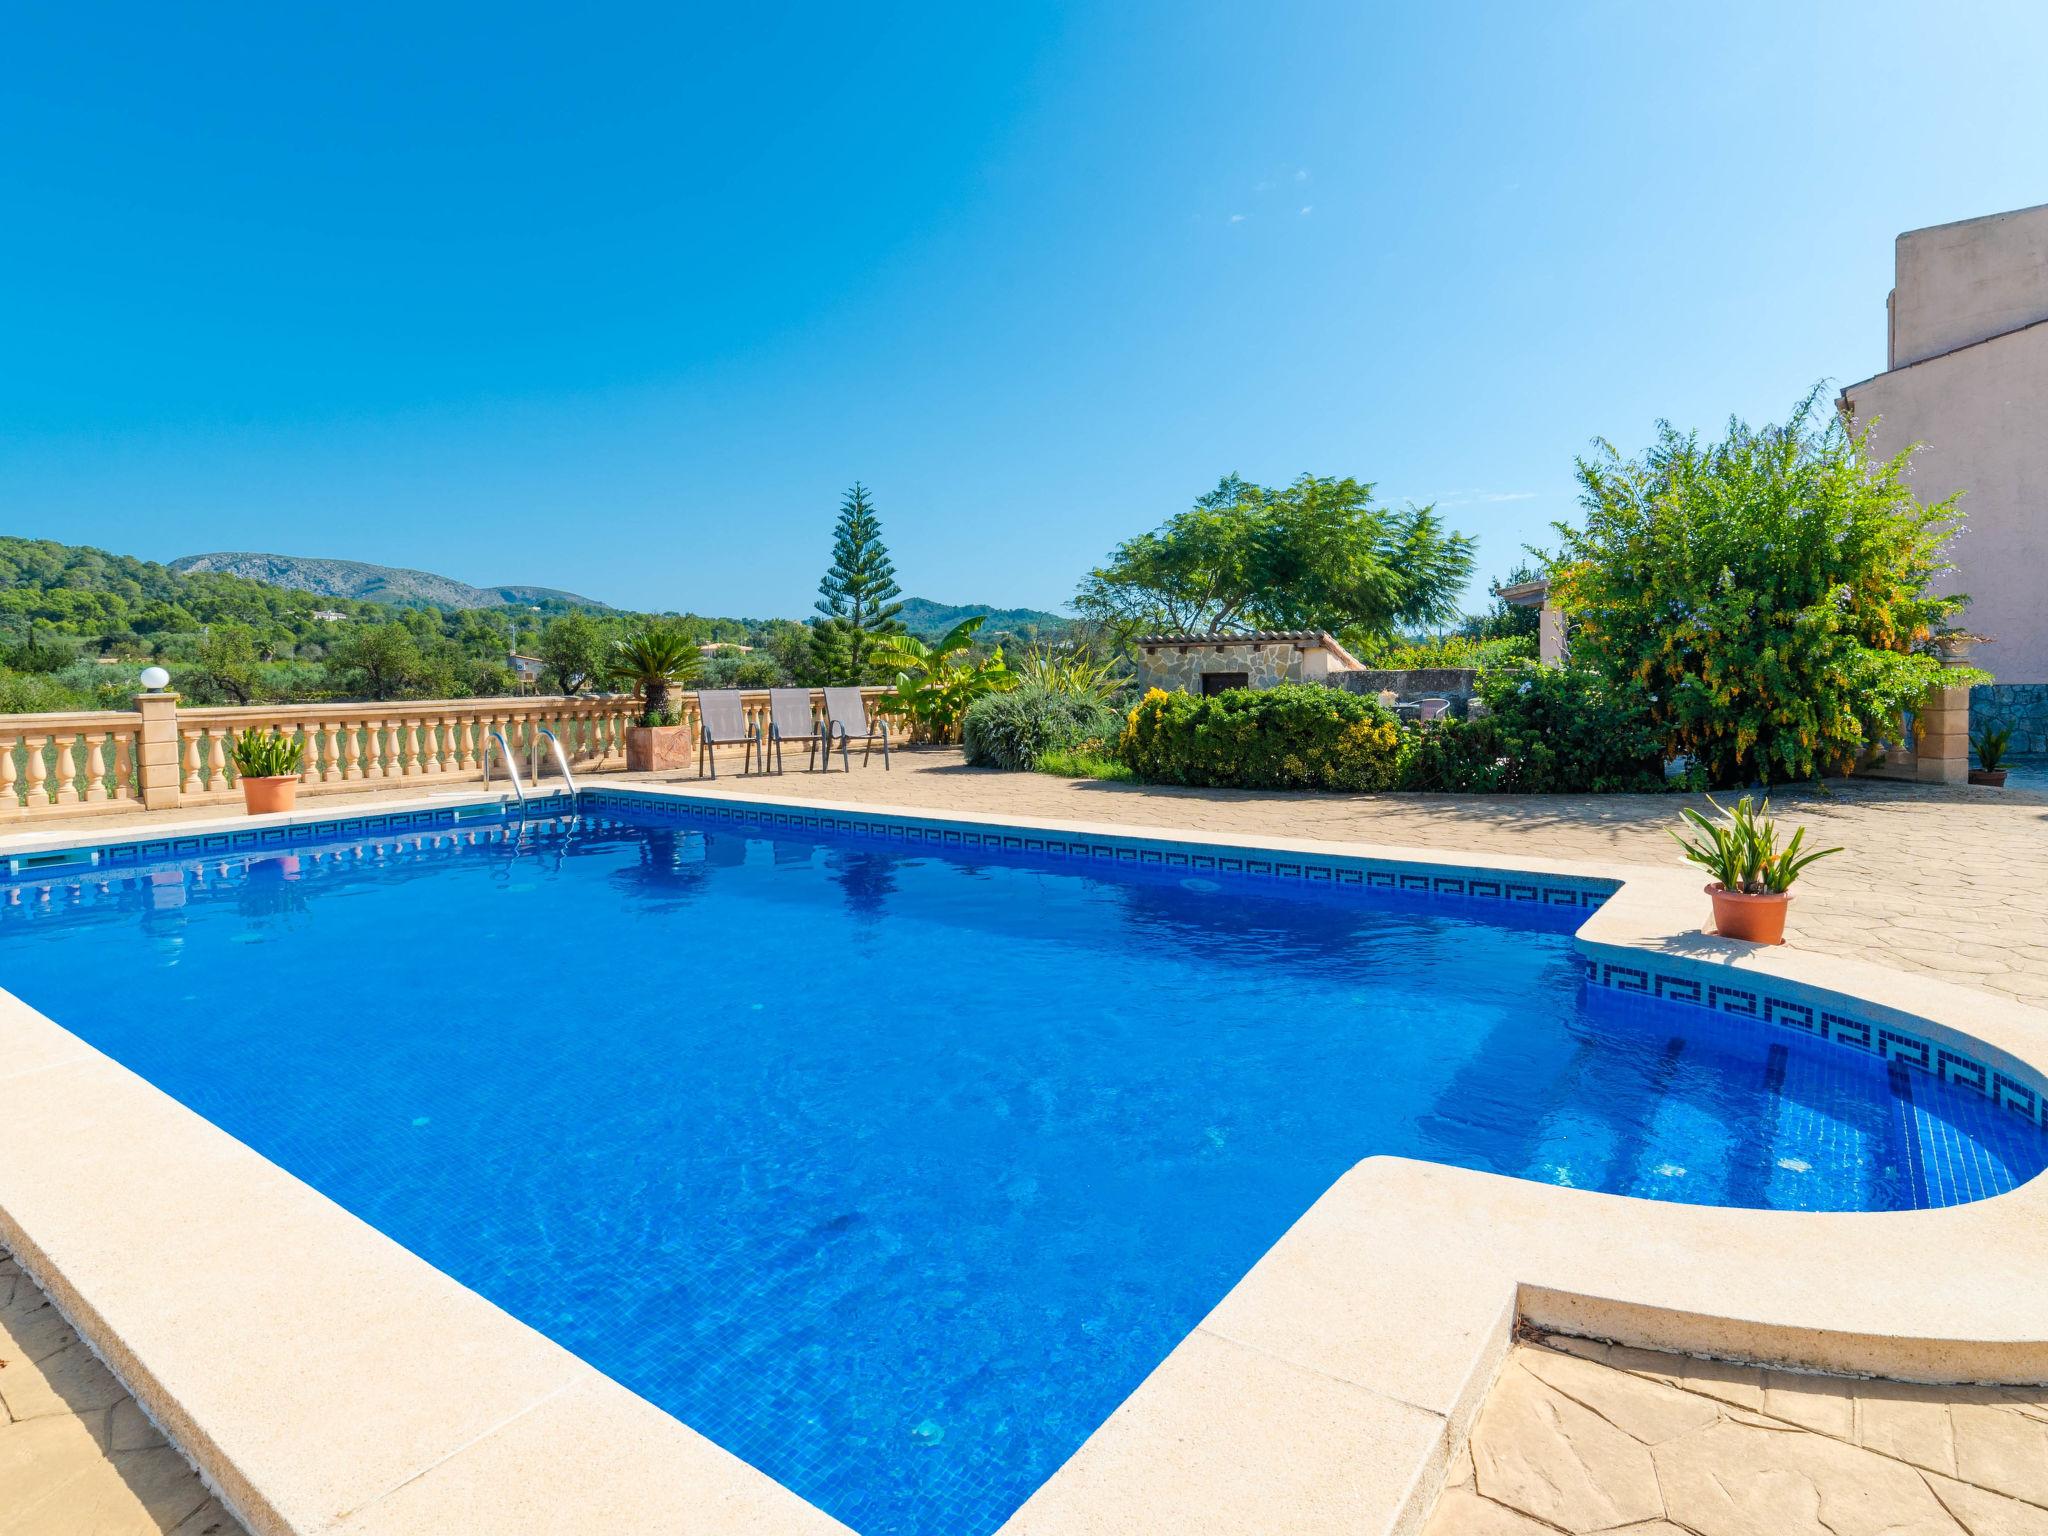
1544, 730
1296, 736
1769, 592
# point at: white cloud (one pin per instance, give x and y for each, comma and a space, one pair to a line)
1482, 498
1307, 208
1239, 218
1301, 175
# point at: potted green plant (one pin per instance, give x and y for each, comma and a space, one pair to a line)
1991, 743
1752, 875
653, 660
267, 765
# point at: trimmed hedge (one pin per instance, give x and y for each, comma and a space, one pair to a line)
1013, 730
1295, 736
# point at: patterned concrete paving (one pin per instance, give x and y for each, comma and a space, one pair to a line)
1589, 1440
1950, 881
77, 1457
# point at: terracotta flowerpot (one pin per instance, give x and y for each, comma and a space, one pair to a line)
1995, 777
650, 748
1759, 919
265, 795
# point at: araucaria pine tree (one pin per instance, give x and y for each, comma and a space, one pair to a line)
857, 598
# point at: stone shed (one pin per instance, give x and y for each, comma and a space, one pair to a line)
1211, 663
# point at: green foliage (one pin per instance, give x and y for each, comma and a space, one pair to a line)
575, 653
652, 659
858, 594
1542, 731
267, 755
38, 653
35, 693
1991, 743
1296, 736
381, 661
1768, 592
936, 683
1074, 670
1455, 650
732, 667
1739, 848
225, 665
1320, 554
1087, 761
1013, 730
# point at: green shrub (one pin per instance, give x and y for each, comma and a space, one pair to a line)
1090, 760
1770, 592
1544, 731
1013, 730
1296, 736
268, 755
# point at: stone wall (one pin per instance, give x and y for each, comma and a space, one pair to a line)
1179, 670
2021, 706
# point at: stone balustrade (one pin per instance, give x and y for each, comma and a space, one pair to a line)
162, 755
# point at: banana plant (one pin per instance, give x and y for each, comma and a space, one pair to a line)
1740, 848
936, 681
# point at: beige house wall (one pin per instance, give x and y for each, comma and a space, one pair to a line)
1965, 282
1981, 415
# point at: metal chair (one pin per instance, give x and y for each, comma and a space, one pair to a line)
722, 722
846, 717
790, 718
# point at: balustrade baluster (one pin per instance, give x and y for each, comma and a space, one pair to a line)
95, 768
193, 784
10, 794
38, 773
216, 759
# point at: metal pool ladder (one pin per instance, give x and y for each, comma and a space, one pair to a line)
496, 742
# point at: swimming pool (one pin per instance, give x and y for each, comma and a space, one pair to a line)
893, 1168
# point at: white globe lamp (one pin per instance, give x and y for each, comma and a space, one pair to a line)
155, 679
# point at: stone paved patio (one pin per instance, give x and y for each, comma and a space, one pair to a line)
1584, 1438
77, 1457
1949, 881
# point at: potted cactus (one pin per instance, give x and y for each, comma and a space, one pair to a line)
1991, 743
1752, 875
267, 765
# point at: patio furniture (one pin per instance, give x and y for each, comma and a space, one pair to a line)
722, 722
846, 717
790, 719
1427, 710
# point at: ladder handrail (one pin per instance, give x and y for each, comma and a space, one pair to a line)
561, 761
511, 766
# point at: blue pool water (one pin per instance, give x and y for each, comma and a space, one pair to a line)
893, 1171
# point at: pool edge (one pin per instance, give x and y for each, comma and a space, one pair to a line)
1387, 1306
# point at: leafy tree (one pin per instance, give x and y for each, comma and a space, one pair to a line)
1319, 554
858, 594
575, 653
651, 660
377, 661
1768, 592
936, 682
226, 662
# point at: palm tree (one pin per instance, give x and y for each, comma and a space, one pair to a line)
651, 660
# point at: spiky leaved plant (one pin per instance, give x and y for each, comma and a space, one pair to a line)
1741, 851
651, 660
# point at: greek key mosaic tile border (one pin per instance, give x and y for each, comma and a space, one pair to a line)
1887, 1041
1194, 857
43, 864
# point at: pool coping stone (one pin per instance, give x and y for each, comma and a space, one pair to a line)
254, 1319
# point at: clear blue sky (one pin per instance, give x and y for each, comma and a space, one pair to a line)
620, 299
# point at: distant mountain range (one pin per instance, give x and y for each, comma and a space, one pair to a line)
376, 583
928, 620
408, 588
